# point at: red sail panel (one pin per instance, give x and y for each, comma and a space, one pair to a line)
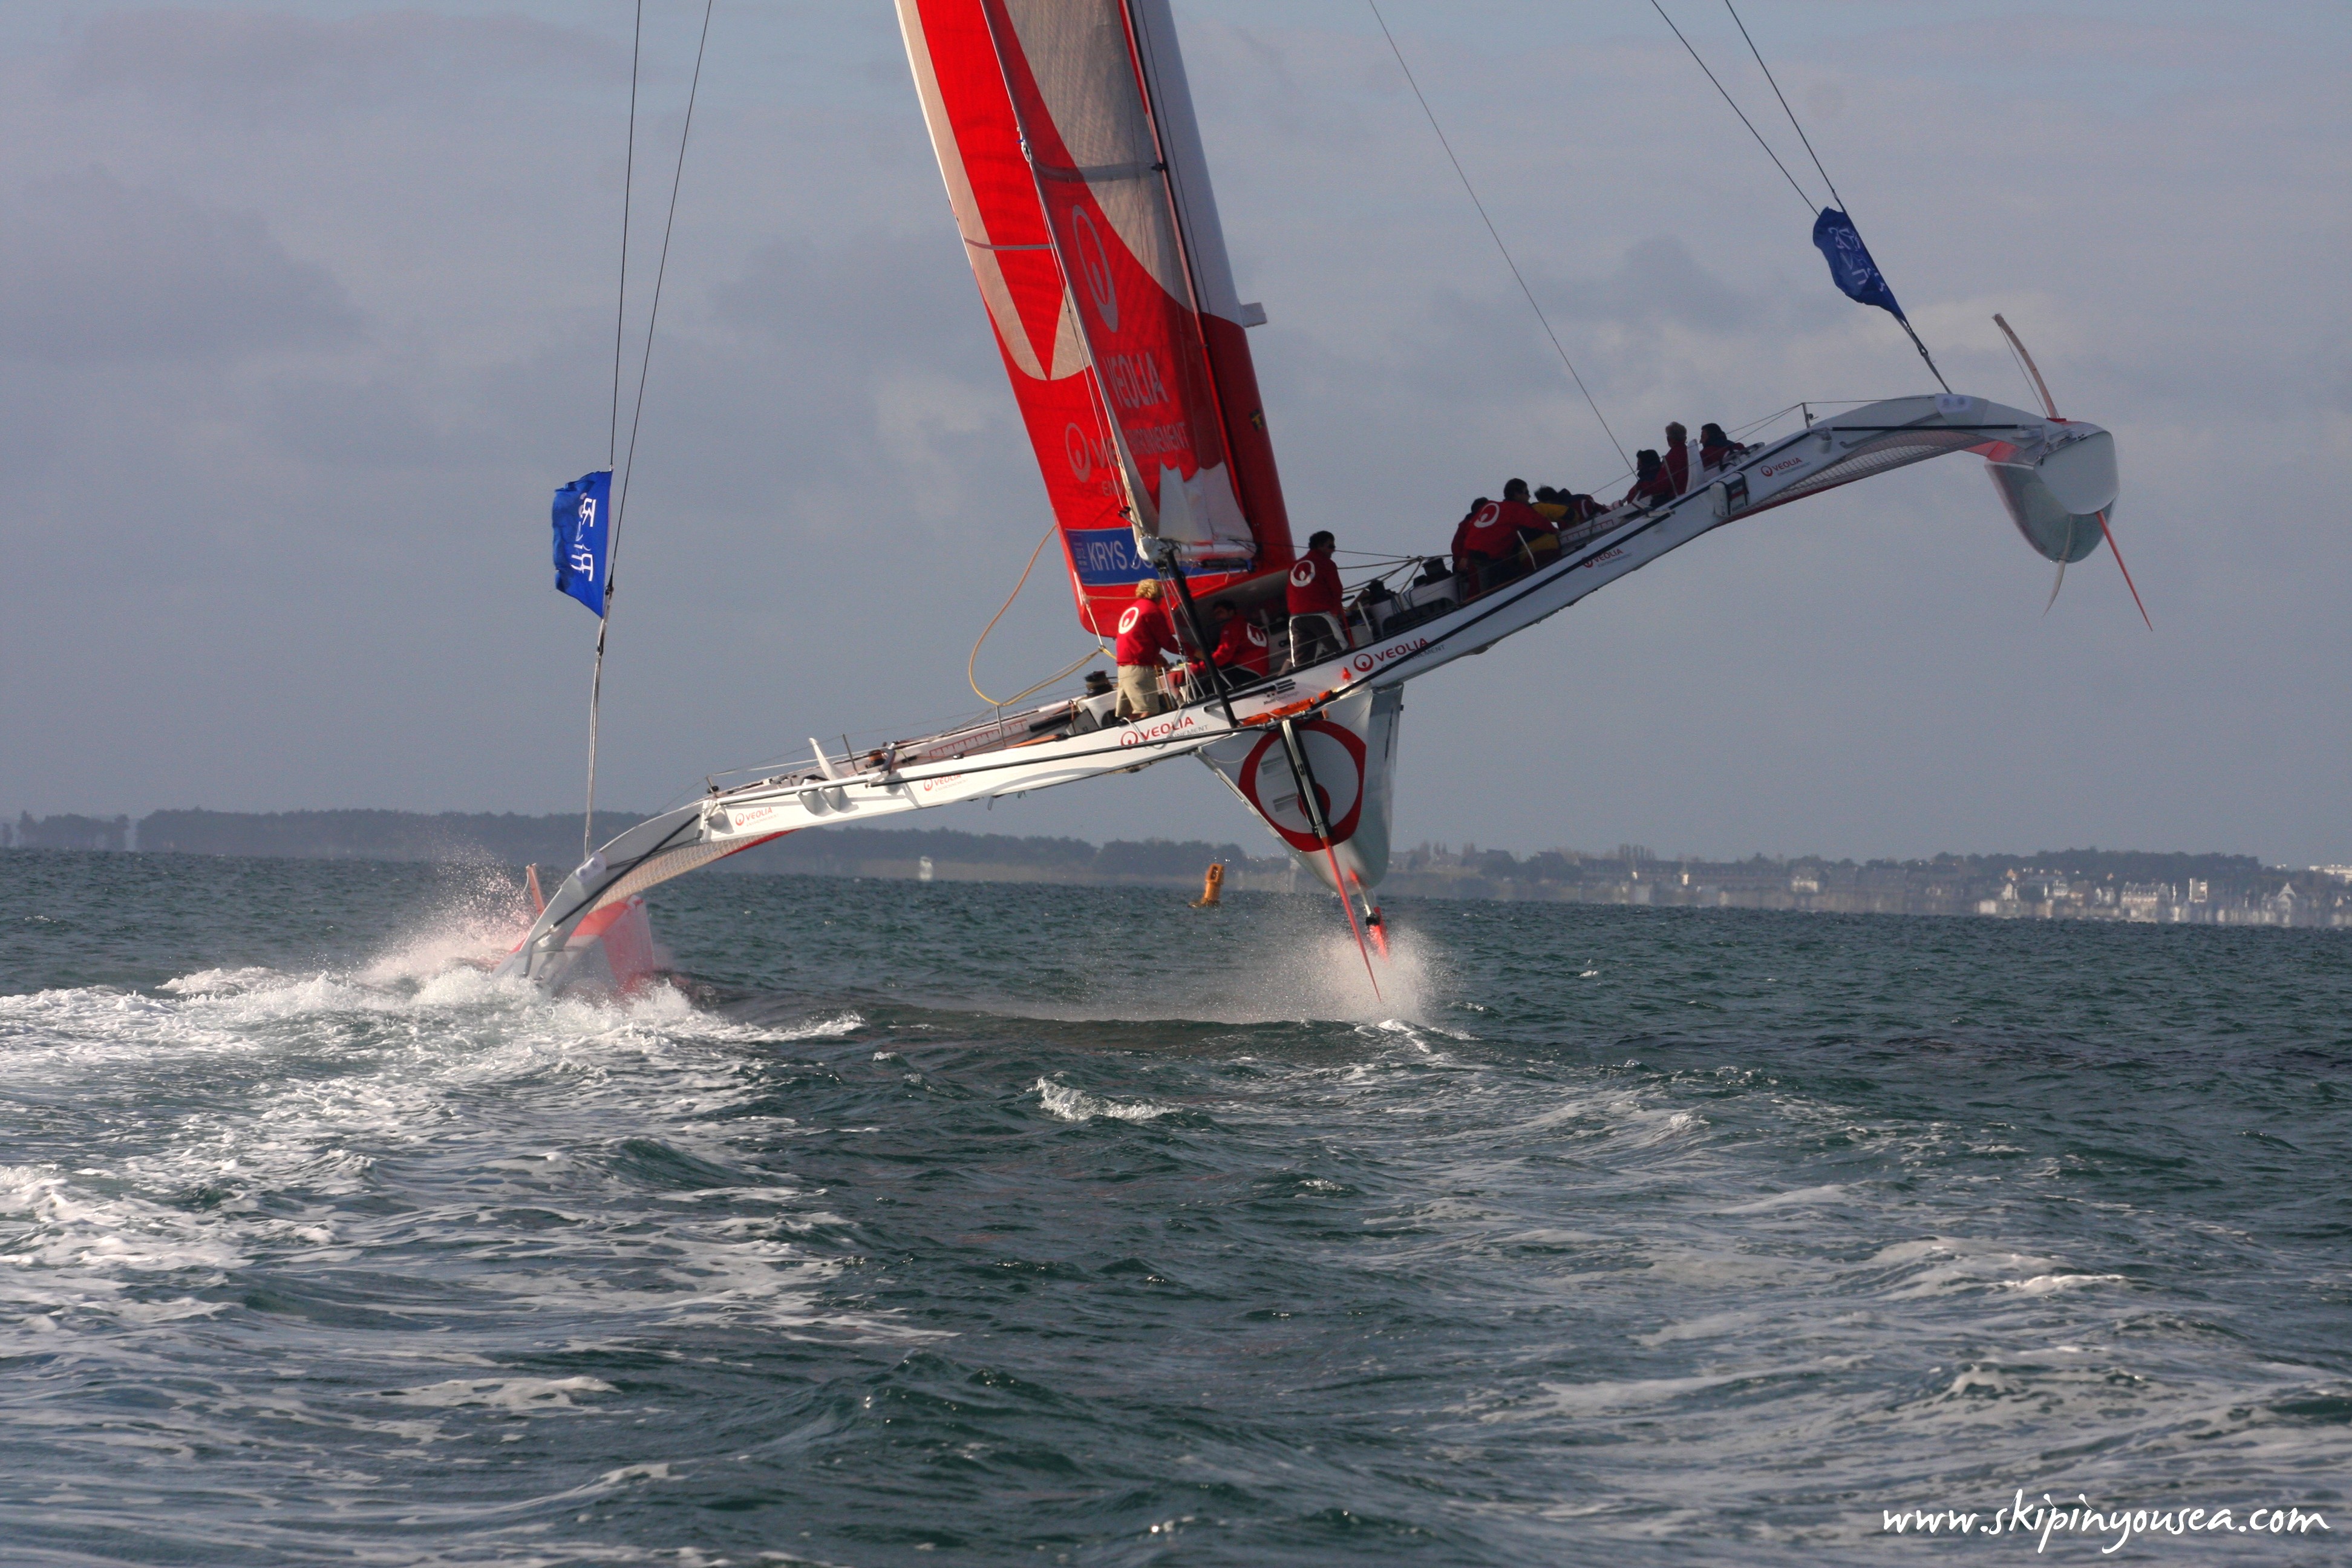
1222, 314
1072, 70
995, 199
1091, 247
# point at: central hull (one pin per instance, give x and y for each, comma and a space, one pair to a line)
1341, 716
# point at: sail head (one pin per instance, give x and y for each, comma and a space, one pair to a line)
1064, 131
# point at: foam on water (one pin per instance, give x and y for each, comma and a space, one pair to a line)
1077, 1105
1004, 1224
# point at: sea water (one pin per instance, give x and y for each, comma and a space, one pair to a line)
996, 1224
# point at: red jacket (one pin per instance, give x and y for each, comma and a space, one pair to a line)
1143, 631
1493, 532
1242, 646
1314, 585
1659, 486
1677, 464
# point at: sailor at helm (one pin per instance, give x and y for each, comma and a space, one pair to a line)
1144, 634
1318, 625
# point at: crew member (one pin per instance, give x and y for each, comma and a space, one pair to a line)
1651, 483
1243, 647
1565, 508
1526, 522
1318, 627
1144, 634
1493, 530
1716, 448
1679, 458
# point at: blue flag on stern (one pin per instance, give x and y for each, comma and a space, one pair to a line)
1851, 268
584, 534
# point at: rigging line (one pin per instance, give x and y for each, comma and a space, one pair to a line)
1702, 65
972, 664
1798, 126
612, 428
1792, 113
628, 189
661, 269
1494, 234
612, 547
1096, 652
595, 705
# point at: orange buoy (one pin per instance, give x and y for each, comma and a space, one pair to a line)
1211, 884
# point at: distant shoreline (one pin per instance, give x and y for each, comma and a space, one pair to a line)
2064, 884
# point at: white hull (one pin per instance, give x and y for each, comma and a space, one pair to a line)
1355, 692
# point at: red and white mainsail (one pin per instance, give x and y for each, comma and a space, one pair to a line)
1065, 136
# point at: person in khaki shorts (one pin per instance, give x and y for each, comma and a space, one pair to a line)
1144, 634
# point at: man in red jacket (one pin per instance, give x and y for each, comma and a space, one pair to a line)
1318, 625
1678, 456
1144, 634
1494, 530
1243, 647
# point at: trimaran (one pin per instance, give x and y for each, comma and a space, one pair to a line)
1074, 168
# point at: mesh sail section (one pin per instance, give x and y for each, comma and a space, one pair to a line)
1079, 58
664, 864
987, 737
1073, 78
1896, 449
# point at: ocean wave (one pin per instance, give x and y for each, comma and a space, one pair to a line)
1077, 1105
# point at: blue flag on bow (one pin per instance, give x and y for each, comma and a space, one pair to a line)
584, 534
1851, 268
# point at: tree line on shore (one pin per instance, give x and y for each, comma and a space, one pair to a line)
1628, 873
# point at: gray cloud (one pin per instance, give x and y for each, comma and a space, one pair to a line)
1660, 282
304, 562
247, 62
96, 272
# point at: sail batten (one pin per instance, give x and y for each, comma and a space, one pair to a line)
1064, 135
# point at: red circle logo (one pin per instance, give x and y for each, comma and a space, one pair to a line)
1335, 755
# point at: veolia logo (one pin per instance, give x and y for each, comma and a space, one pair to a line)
1094, 263
1127, 622
1363, 663
1088, 455
1302, 574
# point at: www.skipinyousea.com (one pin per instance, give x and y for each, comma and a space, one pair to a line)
2055, 1519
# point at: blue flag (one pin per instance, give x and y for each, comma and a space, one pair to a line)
584, 532
1851, 268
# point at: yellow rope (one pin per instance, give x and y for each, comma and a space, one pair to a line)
1070, 668
971, 664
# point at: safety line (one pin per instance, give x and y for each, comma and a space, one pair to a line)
1798, 126
620, 510
1702, 65
661, 269
1495, 235
1902, 321
1792, 113
628, 189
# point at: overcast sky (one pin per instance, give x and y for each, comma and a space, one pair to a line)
304, 311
